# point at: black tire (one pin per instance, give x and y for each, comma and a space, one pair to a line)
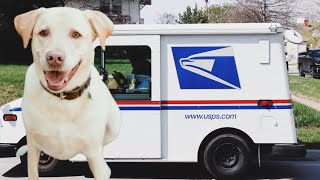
227, 156
301, 73
47, 164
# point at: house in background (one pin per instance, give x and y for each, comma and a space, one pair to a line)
119, 11
130, 9
292, 49
310, 30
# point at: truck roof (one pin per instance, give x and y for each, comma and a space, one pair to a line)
315, 49
226, 28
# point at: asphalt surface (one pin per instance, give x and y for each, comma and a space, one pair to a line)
308, 169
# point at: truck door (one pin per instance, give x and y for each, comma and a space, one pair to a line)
133, 67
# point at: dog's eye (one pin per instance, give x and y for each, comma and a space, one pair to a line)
76, 35
43, 33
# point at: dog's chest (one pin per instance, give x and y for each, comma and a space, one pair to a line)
62, 130
60, 142
50, 109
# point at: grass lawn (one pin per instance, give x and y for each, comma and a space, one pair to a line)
11, 82
307, 119
305, 87
114, 65
310, 136
305, 116
308, 124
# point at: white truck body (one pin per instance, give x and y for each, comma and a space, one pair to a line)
205, 78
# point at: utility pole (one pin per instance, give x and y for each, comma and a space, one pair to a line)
206, 7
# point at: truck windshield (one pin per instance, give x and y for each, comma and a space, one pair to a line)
316, 53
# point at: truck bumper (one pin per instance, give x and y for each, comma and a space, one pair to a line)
316, 70
288, 151
7, 150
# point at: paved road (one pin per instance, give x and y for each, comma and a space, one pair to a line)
308, 169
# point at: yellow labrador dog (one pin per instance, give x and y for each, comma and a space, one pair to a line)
66, 107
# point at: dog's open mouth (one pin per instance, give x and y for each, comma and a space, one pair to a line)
57, 80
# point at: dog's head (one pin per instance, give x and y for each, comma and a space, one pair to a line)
62, 45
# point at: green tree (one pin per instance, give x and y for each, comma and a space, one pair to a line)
214, 14
193, 16
218, 14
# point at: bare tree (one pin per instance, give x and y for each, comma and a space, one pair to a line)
317, 2
311, 34
311, 9
167, 18
258, 11
238, 14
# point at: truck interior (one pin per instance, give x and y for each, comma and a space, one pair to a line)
126, 70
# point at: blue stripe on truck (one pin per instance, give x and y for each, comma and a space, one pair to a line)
132, 108
121, 108
16, 109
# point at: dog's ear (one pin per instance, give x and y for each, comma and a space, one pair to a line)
24, 24
101, 25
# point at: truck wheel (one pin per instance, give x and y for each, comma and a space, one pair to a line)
47, 164
227, 156
301, 73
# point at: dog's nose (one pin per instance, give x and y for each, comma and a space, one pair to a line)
55, 58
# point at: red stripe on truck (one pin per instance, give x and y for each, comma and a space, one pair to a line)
142, 102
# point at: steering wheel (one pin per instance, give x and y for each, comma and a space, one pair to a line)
120, 79
103, 72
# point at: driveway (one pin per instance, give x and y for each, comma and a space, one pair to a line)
304, 170
293, 70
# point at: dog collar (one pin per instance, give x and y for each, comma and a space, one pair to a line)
73, 94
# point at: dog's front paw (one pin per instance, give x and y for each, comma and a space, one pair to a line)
107, 173
29, 178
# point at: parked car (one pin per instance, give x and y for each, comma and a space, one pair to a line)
309, 62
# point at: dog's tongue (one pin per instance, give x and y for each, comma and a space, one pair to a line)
56, 79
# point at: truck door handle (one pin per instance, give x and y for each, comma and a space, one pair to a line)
266, 103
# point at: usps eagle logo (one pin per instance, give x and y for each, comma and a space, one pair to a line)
206, 67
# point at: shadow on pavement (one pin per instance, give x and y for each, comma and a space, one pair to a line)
69, 169
126, 170
270, 170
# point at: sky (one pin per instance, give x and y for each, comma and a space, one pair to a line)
152, 12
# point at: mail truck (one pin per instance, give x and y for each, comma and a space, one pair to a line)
213, 94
